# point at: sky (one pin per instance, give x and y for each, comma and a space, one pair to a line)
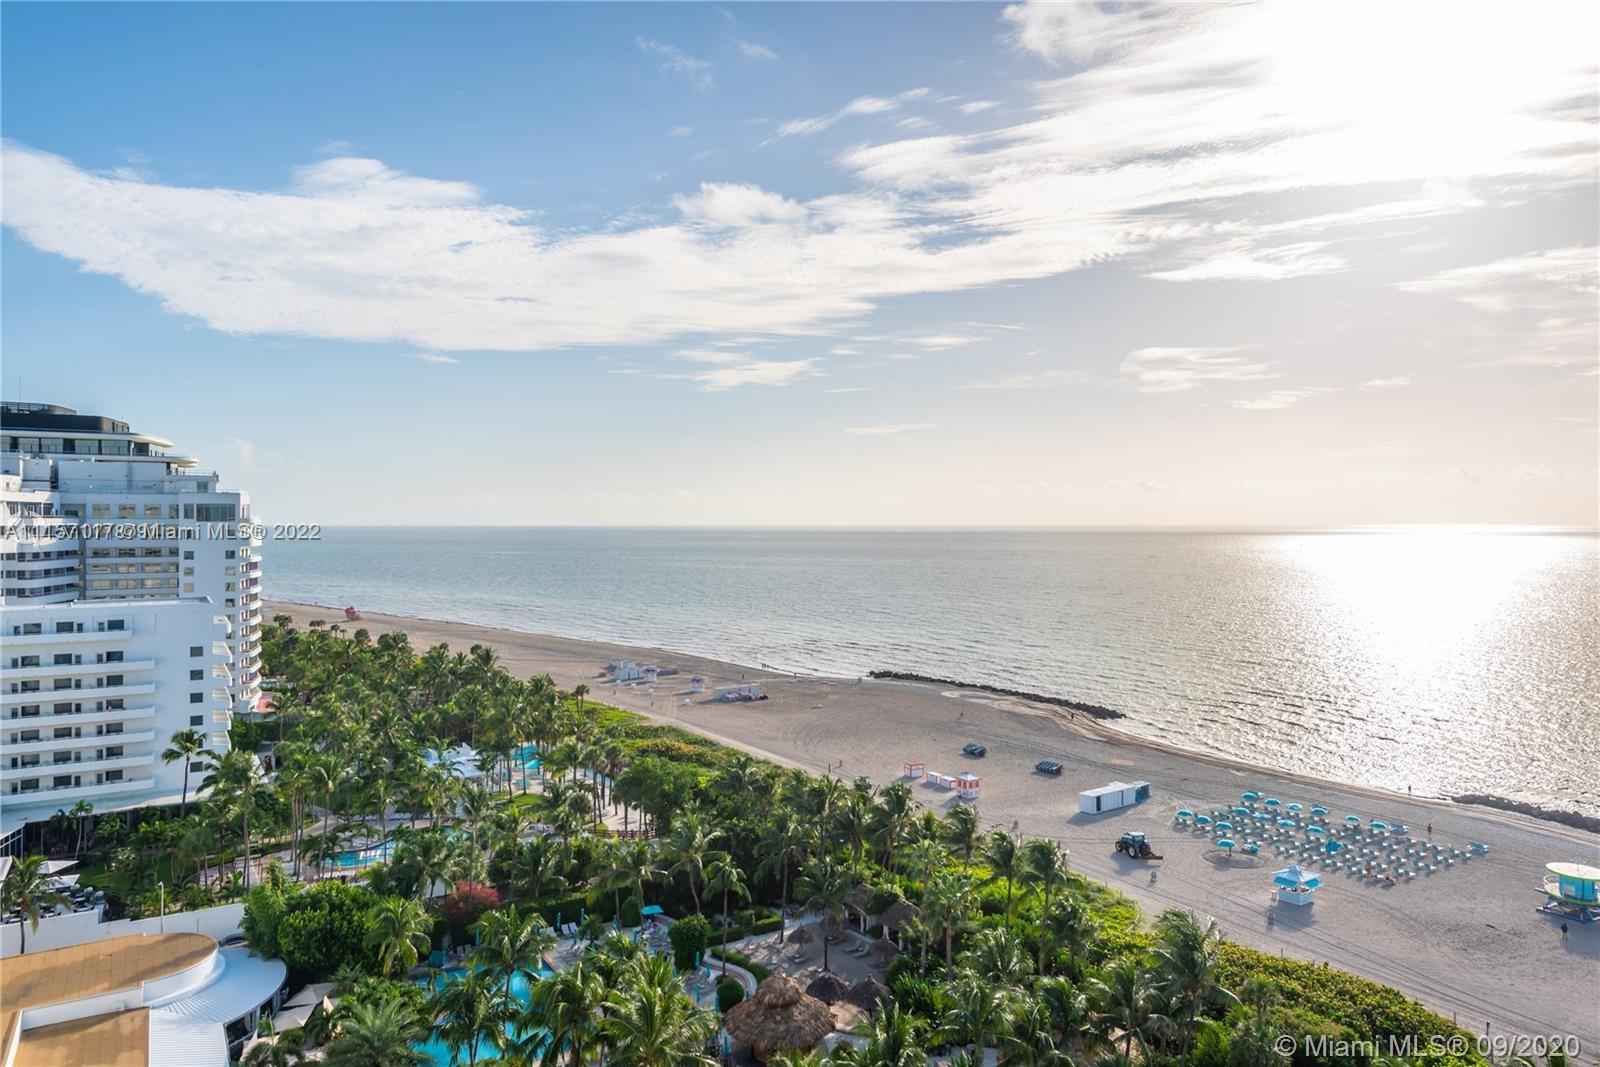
1305, 264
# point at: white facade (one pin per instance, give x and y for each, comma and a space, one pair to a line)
143, 523
117, 561
93, 691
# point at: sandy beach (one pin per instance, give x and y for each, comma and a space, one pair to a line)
1467, 941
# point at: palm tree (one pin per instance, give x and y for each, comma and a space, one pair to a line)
823, 887
580, 691
185, 745
724, 876
434, 857
1045, 870
998, 957
377, 1034
781, 839
689, 848
1126, 997
512, 941
80, 812
567, 1005
471, 1011
945, 908
1071, 1017
1190, 954
977, 1011
32, 891
893, 1039
651, 1022
1005, 858
1067, 925
962, 832
237, 784
399, 929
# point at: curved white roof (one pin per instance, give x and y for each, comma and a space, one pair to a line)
1581, 871
245, 982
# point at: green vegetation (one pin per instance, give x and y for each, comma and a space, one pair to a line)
1003, 946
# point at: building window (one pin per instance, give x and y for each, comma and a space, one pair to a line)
196, 675
197, 650
100, 511
197, 720
197, 765
195, 698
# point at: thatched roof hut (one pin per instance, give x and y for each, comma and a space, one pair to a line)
884, 949
868, 994
802, 936
898, 914
828, 988
779, 1018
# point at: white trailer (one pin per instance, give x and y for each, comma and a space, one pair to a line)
1112, 796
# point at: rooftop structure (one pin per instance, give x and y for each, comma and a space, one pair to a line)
161, 1000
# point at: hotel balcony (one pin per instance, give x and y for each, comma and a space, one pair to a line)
59, 670
89, 741
61, 795
43, 696
87, 637
47, 719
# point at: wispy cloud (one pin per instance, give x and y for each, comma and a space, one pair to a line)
436, 357
973, 107
732, 374
1277, 399
1172, 370
861, 105
1031, 380
890, 428
1386, 383
676, 61
729, 205
752, 50
1500, 285
679, 131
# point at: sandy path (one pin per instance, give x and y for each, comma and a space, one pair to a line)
1466, 941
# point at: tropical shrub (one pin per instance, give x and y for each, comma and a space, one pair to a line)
465, 906
689, 935
730, 991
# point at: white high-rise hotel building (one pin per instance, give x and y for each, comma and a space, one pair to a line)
130, 609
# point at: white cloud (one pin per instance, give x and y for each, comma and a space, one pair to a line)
680, 131
1504, 284
1535, 472
730, 205
732, 375
244, 452
676, 61
847, 389
891, 428
861, 105
1386, 383
436, 357
973, 107
1185, 148
752, 50
1172, 370
1277, 399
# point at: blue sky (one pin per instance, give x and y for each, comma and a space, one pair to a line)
942, 263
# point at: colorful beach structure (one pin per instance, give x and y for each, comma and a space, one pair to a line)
728, 693
1572, 890
968, 786
1296, 885
915, 769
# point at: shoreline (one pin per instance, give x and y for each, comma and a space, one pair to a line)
1097, 718
1466, 941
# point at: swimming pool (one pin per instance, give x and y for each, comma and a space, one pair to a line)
365, 857
438, 1052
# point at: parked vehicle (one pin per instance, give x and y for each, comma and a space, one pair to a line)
975, 750
1048, 766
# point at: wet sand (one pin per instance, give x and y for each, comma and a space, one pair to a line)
1466, 941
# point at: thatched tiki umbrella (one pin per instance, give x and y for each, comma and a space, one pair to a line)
868, 994
802, 936
779, 1018
828, 988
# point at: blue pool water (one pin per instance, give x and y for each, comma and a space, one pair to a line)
439, 1053
365, 857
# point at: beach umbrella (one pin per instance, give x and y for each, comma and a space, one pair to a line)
1318, 809
1185, 813
1226, 843
1315, 830
828, 988
1379, 824
780, 1017
802, 936
1334, 846
1222, 824
1241, 811
868, 994
1203, 820
1294, 806
1352, 819
1286, 823
1251, 795
1273, 802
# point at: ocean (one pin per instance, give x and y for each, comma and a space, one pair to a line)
1451, 661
